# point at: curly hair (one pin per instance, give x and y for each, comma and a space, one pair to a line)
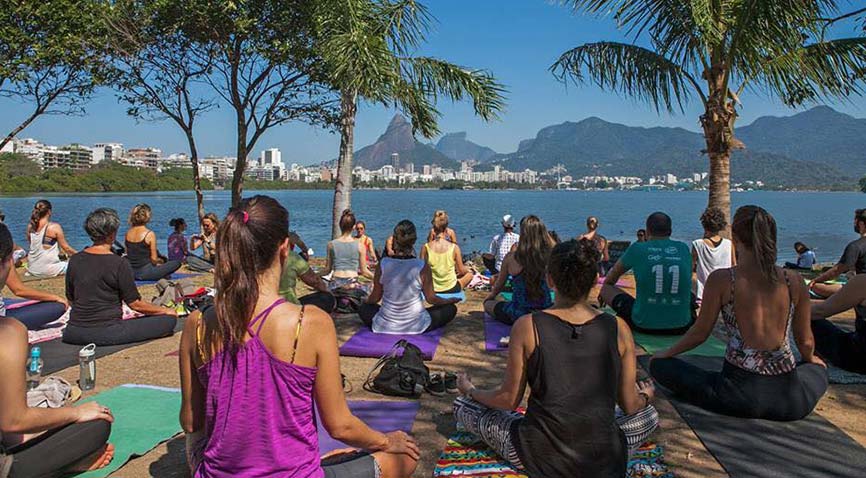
713, 220
405, 236
574, 268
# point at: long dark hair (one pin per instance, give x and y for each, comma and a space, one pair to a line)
248, 241
755, 228
404, 236
41, 209
533, 252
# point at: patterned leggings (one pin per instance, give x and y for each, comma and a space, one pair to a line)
495, 426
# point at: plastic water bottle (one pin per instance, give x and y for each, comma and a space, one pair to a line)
34, 368
87, 367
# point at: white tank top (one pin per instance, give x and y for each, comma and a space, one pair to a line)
709, 259
42, 262
402, 309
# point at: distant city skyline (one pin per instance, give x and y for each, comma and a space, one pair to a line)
517, 44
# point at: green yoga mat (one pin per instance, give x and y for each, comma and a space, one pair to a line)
506, 296
713, 347
144, 417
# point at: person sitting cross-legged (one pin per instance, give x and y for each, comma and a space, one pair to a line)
853, 260
759, 303
844, 349
586, 411
662, 272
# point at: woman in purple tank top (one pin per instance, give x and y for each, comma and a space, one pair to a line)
253, 367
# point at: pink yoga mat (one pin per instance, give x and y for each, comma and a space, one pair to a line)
382, 416
368, 344
12, 304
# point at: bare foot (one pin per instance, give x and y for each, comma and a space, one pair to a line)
98, 459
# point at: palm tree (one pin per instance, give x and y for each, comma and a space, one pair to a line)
714, 50
367, 47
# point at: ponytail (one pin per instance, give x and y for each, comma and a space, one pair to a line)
755, 228
347, 221
248, 242
41, 209
440, 222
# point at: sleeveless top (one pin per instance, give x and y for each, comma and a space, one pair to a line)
763, 362
345, 256
442, 265
176, 243
138, 253
41, 261
570, 427
710, 259
402, 310
520, 303
259, 415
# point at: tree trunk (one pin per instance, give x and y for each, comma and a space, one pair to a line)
343, 183
240, 164
9, 137
718, 125
196, 179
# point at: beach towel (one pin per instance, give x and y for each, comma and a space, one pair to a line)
366, 343
467, 456
811, 447
144, 417
494, 332
382, 416
49, 331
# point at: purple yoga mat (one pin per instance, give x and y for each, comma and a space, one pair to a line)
365, 343
493, 331
379, 415
619, 283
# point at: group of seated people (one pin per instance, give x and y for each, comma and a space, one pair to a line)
287, 345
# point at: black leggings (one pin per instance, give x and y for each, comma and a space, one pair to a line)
440, 315
739, 393
36, 315
151, 272
846, 350
122, 331
51, 453
322, 300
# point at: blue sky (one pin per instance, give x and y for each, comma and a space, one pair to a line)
516, 39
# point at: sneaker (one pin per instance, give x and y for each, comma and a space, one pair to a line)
436, 385
451, 383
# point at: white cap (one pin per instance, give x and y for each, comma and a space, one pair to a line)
507, 220
87, 351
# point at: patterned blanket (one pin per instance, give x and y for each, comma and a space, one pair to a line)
466, 456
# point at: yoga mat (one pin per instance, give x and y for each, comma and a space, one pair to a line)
175, 276
144, 417
16, 303
381, 416
493, 331
619, 283
366, 343
713, 347
466, 455
812, 447
507, 296
453, 295
57, 355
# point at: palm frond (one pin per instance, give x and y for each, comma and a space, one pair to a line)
629, 70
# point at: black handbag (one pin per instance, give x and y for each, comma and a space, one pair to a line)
399, 373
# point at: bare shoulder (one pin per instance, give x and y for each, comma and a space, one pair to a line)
13, 336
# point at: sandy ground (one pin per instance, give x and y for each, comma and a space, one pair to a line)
462, 348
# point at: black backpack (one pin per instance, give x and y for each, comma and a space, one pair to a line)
403, 375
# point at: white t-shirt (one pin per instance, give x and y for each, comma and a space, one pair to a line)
709, 259
402, 310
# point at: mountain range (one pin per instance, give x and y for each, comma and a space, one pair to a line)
818, 148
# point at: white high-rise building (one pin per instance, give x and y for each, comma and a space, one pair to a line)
271, 157
107, 152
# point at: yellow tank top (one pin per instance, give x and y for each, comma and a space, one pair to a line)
442, 266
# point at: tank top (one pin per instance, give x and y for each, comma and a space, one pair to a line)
138, 253
520, 303
764, 362
176, 247
709, 260
41, 261
442, 265
346, 256
570, 426
402, 310
259, 416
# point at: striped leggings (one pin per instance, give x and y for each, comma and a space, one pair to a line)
495, 426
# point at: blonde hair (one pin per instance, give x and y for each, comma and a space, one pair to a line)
440, 221
140, 215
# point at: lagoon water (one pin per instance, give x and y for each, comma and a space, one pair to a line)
821, 220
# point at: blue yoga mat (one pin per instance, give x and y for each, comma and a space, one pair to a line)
453, 295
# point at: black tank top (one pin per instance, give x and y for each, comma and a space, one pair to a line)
138, 253
570, 427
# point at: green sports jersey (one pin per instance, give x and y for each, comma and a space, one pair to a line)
663, 276
294, 267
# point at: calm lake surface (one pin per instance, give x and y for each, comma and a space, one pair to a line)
821, 220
